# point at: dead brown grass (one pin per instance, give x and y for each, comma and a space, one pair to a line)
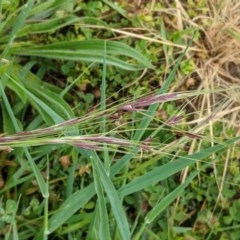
217, 62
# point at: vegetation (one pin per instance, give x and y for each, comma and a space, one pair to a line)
119, 120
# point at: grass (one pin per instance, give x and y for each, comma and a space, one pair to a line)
81, 159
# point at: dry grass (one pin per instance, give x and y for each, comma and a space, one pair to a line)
216, 55
218, 66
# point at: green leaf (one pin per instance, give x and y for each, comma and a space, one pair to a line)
18, 90
71, 206
167, 200
49, 114
50, 105
48, 25
116, 7
89, 51
167, 170
18, 24
113, 197
102, 225
16, 128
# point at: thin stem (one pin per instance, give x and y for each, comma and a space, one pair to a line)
46, 196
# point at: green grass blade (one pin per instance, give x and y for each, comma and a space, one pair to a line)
103, 108
90, 51
167, 200
18, 90
34, 167
44, 8
121, 163
14, 183
102, 225
167, 170
46, 203
71, 173
71, 206
113, 197
48, 25
93, 229
7, 125
18, 24
49, 93
37, 173
117, 8
48, 113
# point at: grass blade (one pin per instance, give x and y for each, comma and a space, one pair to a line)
167, 200
113, 198
34, 167
48, 25
117, 8
70, 206
90, 51
103, 108
18, 24
102, 225
48, 113
167, 170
